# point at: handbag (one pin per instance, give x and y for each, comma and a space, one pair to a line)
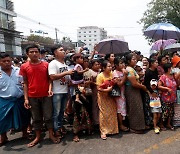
116, 91
88, 91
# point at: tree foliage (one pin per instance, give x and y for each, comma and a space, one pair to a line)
40, 39
162, 11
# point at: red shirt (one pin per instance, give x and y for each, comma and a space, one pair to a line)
37, 77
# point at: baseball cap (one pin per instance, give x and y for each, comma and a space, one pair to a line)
153, 82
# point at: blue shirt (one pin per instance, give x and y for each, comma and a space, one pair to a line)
11, 86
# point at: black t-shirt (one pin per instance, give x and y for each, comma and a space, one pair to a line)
149, 75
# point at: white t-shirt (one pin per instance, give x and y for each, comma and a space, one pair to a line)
60, 85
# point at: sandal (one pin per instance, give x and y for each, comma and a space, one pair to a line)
124, 129
76, 139
103, 136
170, 128
55, 140
136, 131
156, 130
63, 130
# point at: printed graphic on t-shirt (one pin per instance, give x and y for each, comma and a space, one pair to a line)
63, 79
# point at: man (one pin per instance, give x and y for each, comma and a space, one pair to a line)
13, 115
59, 73
37, 92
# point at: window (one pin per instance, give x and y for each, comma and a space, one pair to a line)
84, 40
94, 35
3, 3
94, 31
3, 20
89, 35
89, 31
79, 32
89, 44
79, 36
84, 31
89, 40
94, 39
84, 35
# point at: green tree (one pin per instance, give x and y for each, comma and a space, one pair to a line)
40, 39
162, 11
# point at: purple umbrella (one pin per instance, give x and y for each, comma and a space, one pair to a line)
161, 44
115, 46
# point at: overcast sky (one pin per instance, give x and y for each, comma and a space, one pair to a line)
118, 17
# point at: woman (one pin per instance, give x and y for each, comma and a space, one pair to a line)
110, 58
167, 84
121, 74
133, 97
107, 106
161, 60
176, 71
151, 73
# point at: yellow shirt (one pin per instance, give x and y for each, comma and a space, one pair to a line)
101, 78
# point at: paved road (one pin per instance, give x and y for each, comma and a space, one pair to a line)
167, 142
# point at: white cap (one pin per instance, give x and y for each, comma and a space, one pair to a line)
140, 64
153, 82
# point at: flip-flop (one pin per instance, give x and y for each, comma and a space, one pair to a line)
56, 141
103, 137
171, 128
32, 144
125, 129
76, 139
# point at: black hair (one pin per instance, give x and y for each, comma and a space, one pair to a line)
117, 60
128, 58
54, 48
152, 55
94, 61
107, 56
151, 61
166, 67
32, 46
76, 56
43, 51
104, 64
160, 58
4, 55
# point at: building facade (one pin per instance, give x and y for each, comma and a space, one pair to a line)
91, 35
10, 39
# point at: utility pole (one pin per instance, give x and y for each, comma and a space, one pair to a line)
56, 35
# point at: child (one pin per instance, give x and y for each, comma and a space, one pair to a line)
155, 105
77, 77
140, 71
120, 74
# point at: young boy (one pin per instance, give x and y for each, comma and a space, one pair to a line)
155, 105
37, 93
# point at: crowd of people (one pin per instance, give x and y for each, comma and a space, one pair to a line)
128, 92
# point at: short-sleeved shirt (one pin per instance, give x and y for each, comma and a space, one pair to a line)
11, 86
131, 72
155, 101
170, 83
37, 78
101, 78
76, 77
60, 85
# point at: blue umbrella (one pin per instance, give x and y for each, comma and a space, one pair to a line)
162, 31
